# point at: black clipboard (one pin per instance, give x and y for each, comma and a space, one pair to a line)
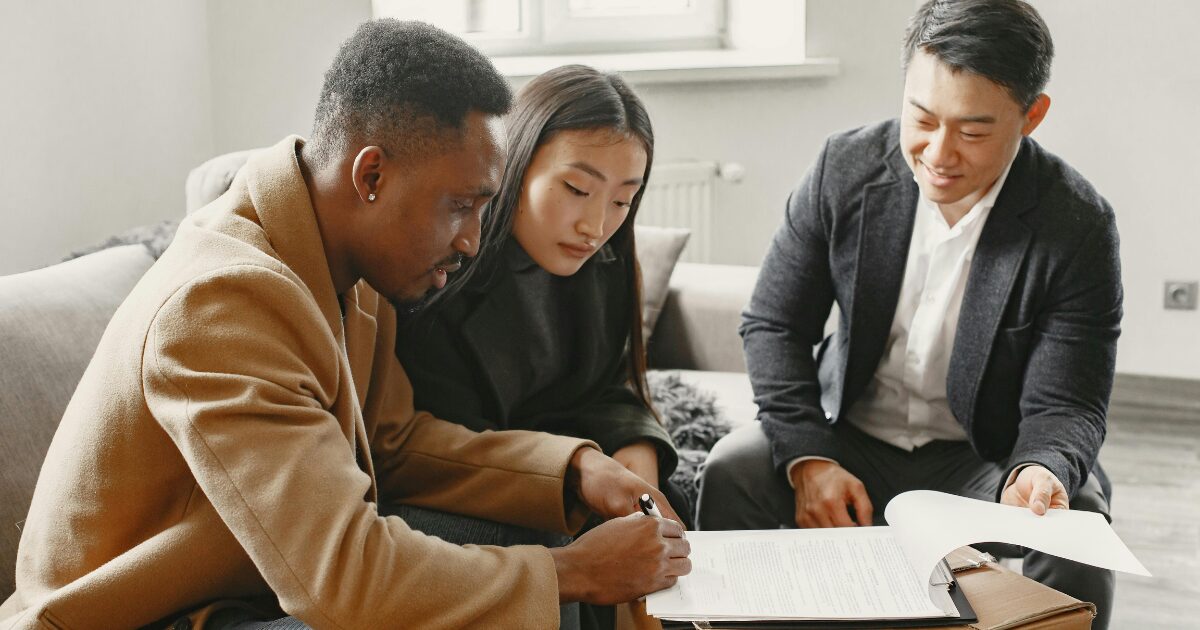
966, 615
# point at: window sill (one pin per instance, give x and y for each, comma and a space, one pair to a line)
685, 66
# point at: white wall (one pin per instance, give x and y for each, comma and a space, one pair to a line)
1125, 92
105, 106
112, 106
268, 64
1124, 96
775, 128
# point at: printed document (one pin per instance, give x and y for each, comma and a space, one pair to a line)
870, 572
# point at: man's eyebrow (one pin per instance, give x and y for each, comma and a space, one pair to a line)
967, 119
591, 170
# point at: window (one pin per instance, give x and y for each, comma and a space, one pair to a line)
516, 27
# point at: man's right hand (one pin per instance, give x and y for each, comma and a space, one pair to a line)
621, 560
824, 490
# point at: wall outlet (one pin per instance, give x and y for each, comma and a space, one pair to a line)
1180, 295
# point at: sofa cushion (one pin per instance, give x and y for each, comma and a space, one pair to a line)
658, 249
212, 178
51, 321
698, 328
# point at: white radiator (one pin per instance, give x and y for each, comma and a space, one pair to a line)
683, 194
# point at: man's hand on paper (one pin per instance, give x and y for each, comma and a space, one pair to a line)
824, 490
1037, 489
621, 560
641, 458
610, 489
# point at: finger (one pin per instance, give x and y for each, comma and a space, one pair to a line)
664, 506
1060, 500
838, 511
670, 529
862, 507
823, 518
678, 547
679, 566
1039, 499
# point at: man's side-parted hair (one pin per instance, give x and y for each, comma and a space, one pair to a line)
404, 86
1004, 41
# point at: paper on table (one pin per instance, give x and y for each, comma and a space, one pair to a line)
931, 524
847, 573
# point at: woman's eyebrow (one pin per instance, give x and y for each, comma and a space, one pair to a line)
594, 172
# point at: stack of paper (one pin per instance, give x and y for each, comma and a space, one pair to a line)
870, 573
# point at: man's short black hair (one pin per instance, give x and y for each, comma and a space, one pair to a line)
405, 86
1004, 41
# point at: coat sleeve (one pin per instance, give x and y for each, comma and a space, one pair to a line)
1069, 374
615, 417
784, 322
245, 376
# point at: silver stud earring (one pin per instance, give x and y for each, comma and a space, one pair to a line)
371, 197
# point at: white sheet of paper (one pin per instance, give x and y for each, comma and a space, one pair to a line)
870, 572
931, 524
796, 574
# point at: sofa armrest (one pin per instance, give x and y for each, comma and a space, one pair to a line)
697, 329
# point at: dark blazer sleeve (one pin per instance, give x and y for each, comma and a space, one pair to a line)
1073, 350
618, 418
785, 320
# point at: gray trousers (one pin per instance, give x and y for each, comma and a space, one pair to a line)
741, 489
460, 530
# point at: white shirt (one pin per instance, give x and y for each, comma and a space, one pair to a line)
905, 403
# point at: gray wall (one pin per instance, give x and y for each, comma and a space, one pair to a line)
103, 108
111, 104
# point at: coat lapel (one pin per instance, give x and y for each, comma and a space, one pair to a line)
998, 257
498, 333
885, 230
496, 336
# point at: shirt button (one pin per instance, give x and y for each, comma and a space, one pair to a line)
828, 416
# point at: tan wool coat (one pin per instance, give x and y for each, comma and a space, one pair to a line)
232, 436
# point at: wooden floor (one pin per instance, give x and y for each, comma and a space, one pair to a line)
1152, 455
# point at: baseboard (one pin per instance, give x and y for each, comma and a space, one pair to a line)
1172, 395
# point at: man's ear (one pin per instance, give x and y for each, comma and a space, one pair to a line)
367, 172
1036, 114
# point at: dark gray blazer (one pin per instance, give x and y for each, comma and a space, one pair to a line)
1032, 365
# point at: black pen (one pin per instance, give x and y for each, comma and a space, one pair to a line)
648, 508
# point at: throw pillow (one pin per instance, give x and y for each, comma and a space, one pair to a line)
658, 249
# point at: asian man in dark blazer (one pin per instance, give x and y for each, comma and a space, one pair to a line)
978, 281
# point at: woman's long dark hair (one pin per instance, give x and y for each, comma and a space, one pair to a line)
574, 97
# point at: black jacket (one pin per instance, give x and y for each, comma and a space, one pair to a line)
471, 364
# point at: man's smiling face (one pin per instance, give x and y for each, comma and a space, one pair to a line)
959, 130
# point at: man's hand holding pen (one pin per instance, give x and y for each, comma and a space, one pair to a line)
627, 556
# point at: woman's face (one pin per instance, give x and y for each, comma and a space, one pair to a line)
575, 195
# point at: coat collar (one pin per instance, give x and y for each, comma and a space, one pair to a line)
281, 199
495, 332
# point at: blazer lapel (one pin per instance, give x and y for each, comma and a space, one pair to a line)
496, 337
998, 257
885, 230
